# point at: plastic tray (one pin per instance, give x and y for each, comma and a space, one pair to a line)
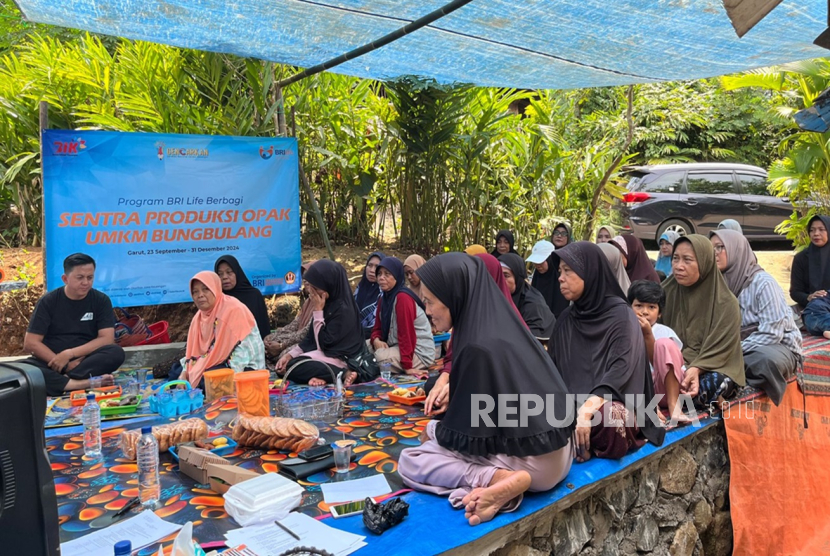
79, 396
122, 409
219, 451
406, 401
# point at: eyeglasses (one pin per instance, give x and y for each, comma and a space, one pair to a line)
560, 234
720, 249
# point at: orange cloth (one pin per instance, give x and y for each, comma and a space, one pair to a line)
213, 335
779, 475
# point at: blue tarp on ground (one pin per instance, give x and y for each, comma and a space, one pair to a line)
535, 44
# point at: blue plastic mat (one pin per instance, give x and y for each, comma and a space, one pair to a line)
542, 44
434, 527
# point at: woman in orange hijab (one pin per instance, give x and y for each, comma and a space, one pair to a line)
222, 334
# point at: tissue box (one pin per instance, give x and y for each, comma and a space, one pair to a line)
193, 462
228, 474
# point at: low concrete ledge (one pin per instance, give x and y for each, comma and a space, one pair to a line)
137, 357
145, 357
673, 502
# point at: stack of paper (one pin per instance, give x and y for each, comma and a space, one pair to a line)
142, 530
271, 540
356, 489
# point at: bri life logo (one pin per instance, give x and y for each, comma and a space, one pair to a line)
69, 148
265, 154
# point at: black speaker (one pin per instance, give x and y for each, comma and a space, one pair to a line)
28, 505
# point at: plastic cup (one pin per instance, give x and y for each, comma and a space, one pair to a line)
141, 377
132, 388
96, 382
342, 455
386, 371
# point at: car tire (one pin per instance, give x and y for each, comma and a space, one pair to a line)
680, 226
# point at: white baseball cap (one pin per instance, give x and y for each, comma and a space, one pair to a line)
541, 252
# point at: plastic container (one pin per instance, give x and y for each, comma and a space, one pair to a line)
147, 456
223, 450
252, 393
121, 409
218, 383
91, 418
172, 402
158, 334
123, 548
263, 499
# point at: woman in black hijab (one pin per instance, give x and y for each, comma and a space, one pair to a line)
486, 465
367, 292
236, 284
598, 345
504, 243
535, 311
335, 334
561, 235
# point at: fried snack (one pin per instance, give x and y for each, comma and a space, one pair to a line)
189, 430
275, 433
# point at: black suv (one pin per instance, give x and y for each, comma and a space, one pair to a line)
693, 198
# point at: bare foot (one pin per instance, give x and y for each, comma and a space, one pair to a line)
316, 382
827, 334
349, 379
485, 503
678, 417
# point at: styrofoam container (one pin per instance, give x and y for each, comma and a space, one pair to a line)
264, 499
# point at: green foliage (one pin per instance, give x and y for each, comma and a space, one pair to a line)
801, 172
449, 165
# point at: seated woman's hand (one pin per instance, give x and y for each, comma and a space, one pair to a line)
273, 347
819, 293
691, 382
439, 397
282, 363
377, 343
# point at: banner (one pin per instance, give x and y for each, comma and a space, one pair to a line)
154, 209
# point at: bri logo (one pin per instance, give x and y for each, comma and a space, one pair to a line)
67, 148
271, 151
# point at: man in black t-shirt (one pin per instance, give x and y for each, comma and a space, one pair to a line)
71, 334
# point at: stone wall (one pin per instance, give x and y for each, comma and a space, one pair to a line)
675, 502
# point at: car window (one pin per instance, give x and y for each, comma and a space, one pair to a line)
710, 183
670, 182
753, 185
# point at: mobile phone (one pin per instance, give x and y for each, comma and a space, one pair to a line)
318, 452
347, 509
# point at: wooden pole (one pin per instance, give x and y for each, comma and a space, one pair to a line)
315, 208
43, 124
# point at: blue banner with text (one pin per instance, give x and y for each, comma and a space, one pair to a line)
154, 209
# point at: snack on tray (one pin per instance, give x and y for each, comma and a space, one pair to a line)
275, 433
407, 393
189, 430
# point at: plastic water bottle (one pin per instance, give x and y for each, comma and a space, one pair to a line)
123, 548
92, 427
148, 469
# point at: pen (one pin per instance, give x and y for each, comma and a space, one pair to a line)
129, 506
286, 529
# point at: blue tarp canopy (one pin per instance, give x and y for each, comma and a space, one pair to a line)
534, 44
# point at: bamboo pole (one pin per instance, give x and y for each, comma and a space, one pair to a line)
43, 124
315, 208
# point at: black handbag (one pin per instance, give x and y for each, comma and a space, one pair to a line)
365, 365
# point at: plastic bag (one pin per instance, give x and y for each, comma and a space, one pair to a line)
184, 545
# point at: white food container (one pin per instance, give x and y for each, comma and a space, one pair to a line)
263, 499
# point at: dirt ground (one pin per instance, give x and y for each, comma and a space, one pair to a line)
27, 264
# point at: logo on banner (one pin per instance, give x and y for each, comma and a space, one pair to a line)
176, 152
69, 148
290, 278
160, 152
271, 151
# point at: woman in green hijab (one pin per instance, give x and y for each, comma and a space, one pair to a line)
706, 316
